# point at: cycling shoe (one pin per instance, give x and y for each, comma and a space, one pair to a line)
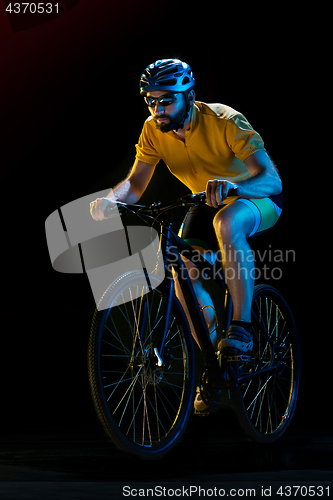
237, 341
202, 408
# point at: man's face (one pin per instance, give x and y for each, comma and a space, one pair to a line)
169, 117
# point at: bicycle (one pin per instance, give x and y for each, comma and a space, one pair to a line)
141, 356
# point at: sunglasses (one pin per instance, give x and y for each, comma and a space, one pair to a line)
164, 100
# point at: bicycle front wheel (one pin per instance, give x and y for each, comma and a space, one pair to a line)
143, 407
266, 402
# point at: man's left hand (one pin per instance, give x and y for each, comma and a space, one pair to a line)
217, 191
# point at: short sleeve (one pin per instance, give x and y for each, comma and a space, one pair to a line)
241, 137
145, 150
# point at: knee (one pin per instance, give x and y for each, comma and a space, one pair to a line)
223, 225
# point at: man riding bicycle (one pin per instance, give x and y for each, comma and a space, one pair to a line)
212, 148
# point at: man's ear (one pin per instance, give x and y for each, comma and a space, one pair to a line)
191, 96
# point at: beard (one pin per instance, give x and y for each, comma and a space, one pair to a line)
173, 123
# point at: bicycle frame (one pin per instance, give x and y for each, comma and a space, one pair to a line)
173, 247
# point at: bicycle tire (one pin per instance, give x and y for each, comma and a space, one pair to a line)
143, 408
265, 404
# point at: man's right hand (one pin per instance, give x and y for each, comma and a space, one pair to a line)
97, 208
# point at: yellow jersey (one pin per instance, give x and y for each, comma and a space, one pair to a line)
219, 140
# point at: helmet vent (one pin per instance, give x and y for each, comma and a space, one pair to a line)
164, 81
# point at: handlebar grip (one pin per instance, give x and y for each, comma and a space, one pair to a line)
233, 192
201, 197
111, 210
117, 208
108, 212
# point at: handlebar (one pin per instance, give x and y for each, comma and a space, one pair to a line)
200, 198
189, 200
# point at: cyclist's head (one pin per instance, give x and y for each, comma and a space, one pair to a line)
172, 76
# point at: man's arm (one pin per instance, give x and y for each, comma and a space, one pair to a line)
265, 181
129, 190
132, 188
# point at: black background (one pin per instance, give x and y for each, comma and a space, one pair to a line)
72, 114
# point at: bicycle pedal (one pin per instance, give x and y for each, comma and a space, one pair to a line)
204, 413
244, 358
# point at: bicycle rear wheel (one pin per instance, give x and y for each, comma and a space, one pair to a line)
265, 404
143, 407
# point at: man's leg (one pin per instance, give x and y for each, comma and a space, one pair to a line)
202, 295
233, 224
204, 299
